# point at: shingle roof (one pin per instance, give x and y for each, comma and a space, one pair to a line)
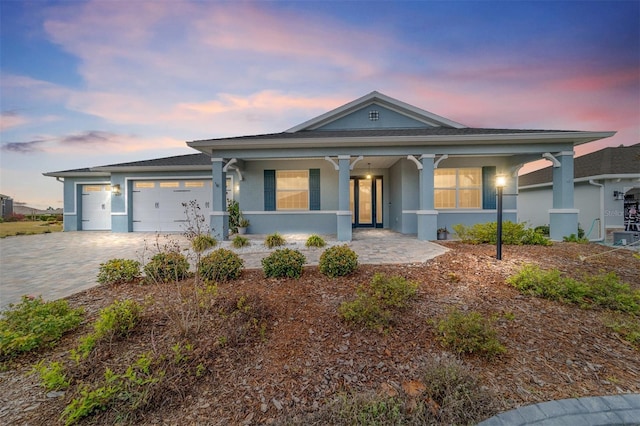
420, 131
199, 159
607, 161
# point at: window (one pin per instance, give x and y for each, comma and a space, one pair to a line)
169, 184
292, 190
458, 188
374, 115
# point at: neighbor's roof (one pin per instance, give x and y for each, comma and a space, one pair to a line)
608, 162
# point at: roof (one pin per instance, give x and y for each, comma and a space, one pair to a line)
608, 162
375, 97
197, 161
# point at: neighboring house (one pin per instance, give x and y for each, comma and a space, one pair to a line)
374, 162
6, 206
606, 187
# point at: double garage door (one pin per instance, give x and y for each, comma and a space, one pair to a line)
158, 204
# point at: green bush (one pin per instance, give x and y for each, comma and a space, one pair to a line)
33, 323
338, 261
573, 238
118, 271
274, 240
469, 333
315, 241
375, 304
627, 326
167, 266
283, 263
366, 311
239, 241
233, 208
201, 243
52, 375
543, 229
603, 290
118, 319
221, 265
512, 234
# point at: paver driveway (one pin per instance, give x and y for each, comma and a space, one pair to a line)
59, 264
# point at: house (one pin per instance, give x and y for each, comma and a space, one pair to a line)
6, 206
373, 162
606, 192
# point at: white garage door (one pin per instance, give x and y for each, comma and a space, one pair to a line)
96, 207
157, 204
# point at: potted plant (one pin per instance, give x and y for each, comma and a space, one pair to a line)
442, 233
243, 224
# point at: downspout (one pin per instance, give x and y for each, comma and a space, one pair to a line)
601, 215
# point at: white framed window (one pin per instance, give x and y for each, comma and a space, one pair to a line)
458, 188
292, 189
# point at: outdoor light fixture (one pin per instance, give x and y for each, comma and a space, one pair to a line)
115, 189
501, 181
369, 172
618, 195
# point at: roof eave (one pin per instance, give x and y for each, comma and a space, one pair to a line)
577, 138
134, 169
71, 173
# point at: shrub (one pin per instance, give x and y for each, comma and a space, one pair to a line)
573, 238
469, 333
603, 290
221, 265
486, 233
118, 319
543, 229
392, 291
315, 241
447, 393
34, 323
202, 242
338, 261
274, 240
52, 375
118, 271
167, 266
283, 263
239, 241
456, 392
627, 326
233, 208
375, 304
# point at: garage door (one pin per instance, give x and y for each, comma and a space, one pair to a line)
96, 207
157, 204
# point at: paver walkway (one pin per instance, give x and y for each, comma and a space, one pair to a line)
59, 264
591, 411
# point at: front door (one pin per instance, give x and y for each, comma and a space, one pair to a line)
366, 202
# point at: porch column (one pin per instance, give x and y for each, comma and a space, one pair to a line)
563, 218
219, 222
344, 212
427, 216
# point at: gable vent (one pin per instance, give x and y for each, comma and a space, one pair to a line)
374, 115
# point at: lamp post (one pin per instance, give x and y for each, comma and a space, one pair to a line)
501, 181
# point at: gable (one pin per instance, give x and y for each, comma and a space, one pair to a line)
374, 116
355, 114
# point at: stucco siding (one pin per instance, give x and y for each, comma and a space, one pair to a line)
386, 119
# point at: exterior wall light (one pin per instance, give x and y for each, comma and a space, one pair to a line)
501, 182
115, 189
369, 172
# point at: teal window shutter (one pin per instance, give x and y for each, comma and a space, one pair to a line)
489, 187
269, 190
314, 189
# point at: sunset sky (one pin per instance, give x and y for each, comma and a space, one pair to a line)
88, 83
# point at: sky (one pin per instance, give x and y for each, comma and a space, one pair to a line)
89, 83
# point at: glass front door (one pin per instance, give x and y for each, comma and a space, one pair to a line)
366, 202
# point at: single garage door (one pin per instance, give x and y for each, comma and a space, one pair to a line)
157, 204
96, 207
